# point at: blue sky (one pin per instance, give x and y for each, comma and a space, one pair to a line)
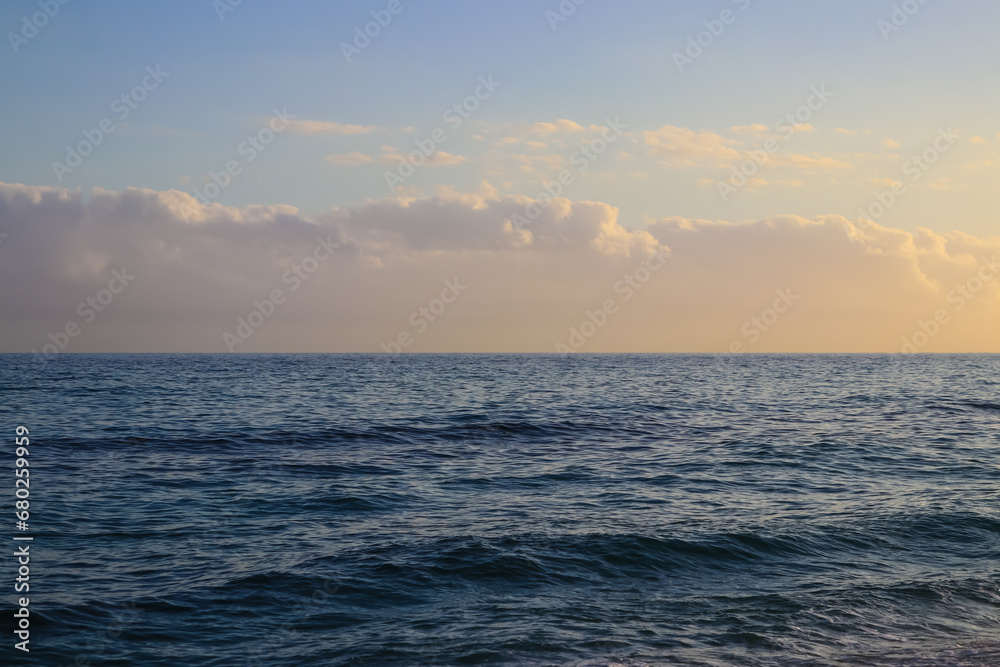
606, 60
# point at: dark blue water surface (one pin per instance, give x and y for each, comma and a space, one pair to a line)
500, 509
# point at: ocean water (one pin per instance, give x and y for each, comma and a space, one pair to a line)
444, 510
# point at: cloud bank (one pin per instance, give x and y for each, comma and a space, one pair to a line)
351, 280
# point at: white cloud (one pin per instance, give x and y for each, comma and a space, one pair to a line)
561, 125
860, 289
683, 146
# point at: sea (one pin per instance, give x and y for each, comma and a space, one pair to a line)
493, 509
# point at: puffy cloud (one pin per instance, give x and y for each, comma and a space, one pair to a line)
683, 146
561, 125
199, 268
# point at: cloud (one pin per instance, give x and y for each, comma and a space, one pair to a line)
977, 140
562, 125
438, 159
861, 290
885, 182
683, 146
199, 268
849, 133
889, 143
756, 128
324, 127
809, 162
540, 163
981, 164
529, 143
348, 159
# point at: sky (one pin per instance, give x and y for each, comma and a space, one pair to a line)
524, 176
